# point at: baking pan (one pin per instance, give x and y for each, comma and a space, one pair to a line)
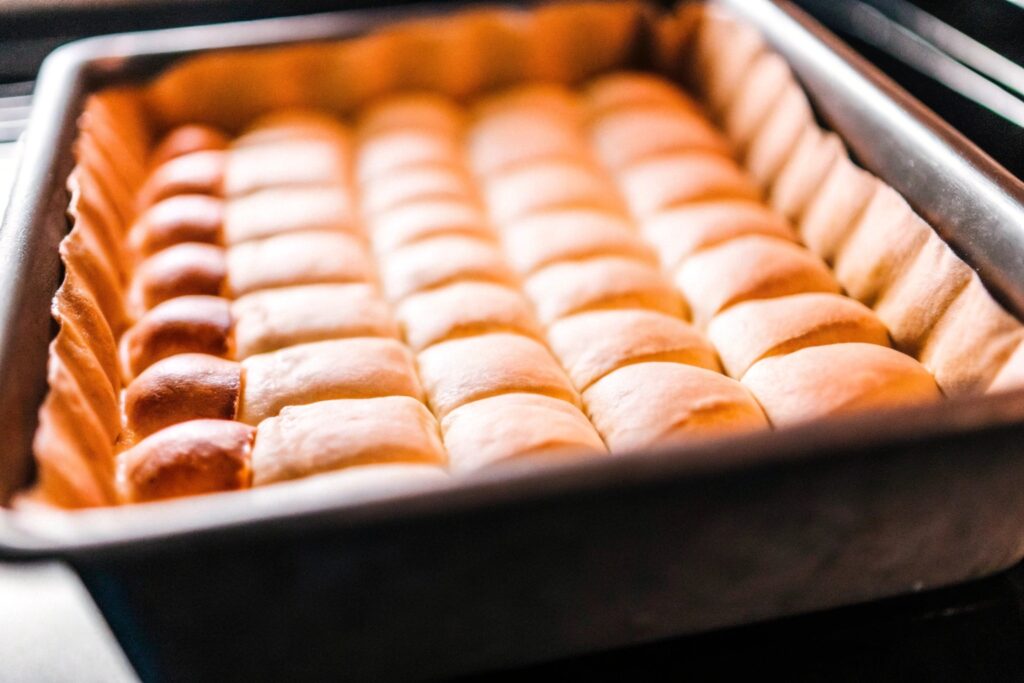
519, 566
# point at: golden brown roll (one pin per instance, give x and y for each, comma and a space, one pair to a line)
285, 162
423, 220
275, 211
571, 235
177, 219
386, 153
331, 435
643, 404
417, 110
179, 388
837, 378
590, 345
679, 233
753, 330
186, 459
442, 260
661, 183
754, 267
180, 270
418, 184
459, 371
195, 173
191, 137
500, 428
627, 137
463, 309
632, 90
277, 318
549, 185
600, 283
497, 145
362, 367
186, 324
300, 258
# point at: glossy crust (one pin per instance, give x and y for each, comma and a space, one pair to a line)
837, 378
644, 404
187, 324
181, 270
194, 173
362, 367
184, 387
754, 267
500, 428
177, 219
459, 371
591, 345
332, 435
186, 459
753, 330
191, 137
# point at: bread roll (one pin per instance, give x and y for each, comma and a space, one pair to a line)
624, 138
332, 435
181, 270
185, 139
418, 184
177, 219
803, 173
388, 152
632, 90
753, 330
831, 212
882, 244
186, 459
661, 183
440, 261
284, 125
285, 162
837, 378
571, 235
425, 111
195, 173
503, 143
600, 283
276, 318
590, 345
754, 267
421, 221
300, 258
1011, 375
679, 233
777, 136
756, 95
549, 185
643, 404
499, 428
464, 309
275, 211
186, 324
179, 388
553, 100
362, 367
459, 371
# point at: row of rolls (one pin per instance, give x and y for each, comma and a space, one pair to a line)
439, 288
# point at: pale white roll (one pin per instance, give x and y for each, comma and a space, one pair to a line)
278, 210
422, 220
417, 110
626, 137
633, 89
549, 185
817, 381
442, 260
286, 162
390, 151
417, 184
514, 426
361, 367
502, 142
665, 182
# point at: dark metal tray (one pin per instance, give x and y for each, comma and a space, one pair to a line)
515, 567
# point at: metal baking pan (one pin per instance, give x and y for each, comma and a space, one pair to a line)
515, 567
